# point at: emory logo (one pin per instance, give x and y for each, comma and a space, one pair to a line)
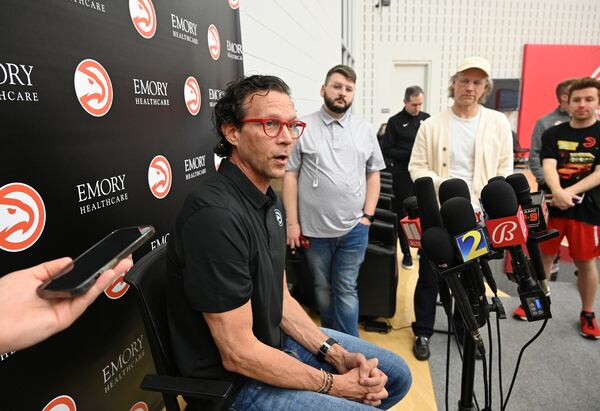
191, 95
139, 406
159, 177
214, 42
234, 50
159, 241
22, 217
18, 75
93, 88
118, 368
195, 167
504, 232
279, 217
117, 288
154, 93
143, 17
589, 142
184, 29
214, 94
101, 193
61, 403
234, 4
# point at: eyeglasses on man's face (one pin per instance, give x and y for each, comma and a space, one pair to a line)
273, 126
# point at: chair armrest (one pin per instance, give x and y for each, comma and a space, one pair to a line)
189, 387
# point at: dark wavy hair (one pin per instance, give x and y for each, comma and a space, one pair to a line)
584, 82
230, 108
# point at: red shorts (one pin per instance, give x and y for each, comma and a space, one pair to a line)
584, 239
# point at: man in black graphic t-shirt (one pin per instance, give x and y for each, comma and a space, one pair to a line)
571, 162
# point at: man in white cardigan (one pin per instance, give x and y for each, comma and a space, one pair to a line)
467, 141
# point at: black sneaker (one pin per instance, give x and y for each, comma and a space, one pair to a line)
407, 262
421, 348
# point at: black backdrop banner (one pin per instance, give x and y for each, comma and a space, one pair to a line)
105, 111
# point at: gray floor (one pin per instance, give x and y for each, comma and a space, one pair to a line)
559, 371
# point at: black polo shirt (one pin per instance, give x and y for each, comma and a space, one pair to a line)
227, 246
399, 137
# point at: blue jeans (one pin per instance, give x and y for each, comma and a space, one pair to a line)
335, 263
254, 395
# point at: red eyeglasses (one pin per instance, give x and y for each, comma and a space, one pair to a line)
273, 126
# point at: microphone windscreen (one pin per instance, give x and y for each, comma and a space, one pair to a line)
411, 207
499, 200
458, 215
520, 186
429, 210
437, 245
455, 187
497, 178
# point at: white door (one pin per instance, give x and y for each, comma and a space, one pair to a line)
406, 75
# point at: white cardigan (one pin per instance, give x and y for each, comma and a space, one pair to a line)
493, 150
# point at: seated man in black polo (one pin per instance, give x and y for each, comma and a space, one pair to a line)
230, 313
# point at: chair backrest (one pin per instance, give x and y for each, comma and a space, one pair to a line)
149, 279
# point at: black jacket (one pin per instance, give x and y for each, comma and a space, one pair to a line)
399, 137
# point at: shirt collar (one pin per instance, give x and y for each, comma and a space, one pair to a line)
248, 189
327, 119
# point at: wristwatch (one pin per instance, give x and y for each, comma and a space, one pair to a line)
325, 347
369, 217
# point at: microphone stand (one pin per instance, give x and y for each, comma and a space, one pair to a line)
471, 285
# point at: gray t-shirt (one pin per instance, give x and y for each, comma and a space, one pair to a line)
332, 158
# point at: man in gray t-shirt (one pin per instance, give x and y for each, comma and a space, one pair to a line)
559, 115
330, 191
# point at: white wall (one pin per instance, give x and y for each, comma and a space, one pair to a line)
443, 32
295, 40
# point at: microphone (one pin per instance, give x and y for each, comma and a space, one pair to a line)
411, 224
469, 238
536, 218
454, 187
507, 228
428, 206
437, 244
534, 206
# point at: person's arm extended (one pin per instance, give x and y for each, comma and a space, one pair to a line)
587, 183
242, 353
290, 203
372, 195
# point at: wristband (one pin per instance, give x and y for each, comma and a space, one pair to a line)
325, 347
369, 217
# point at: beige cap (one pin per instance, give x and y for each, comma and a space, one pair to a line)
475, 62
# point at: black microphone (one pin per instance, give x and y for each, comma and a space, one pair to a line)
428, 206
411, 224
436, 242
497, 178
535, 220
500, 203
411, 207
459, 219
454, 187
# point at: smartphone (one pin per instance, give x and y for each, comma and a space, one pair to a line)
82, 273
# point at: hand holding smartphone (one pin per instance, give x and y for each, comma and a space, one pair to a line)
82, 273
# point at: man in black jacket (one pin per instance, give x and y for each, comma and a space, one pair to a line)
396, 145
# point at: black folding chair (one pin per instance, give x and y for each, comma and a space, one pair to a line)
148, 278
